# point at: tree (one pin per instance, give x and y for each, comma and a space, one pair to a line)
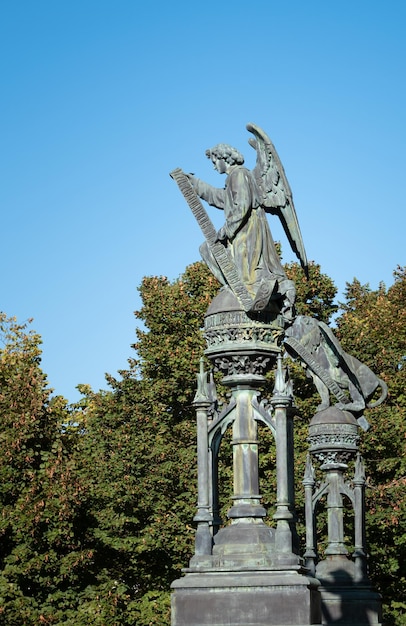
41, 551
372, 327
314, 295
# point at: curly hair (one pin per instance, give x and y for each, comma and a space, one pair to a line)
229, 154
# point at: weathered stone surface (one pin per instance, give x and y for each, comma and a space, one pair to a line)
245, 599
350, 606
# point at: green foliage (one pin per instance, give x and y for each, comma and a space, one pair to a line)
136, 458
315, 294
372, 327
97, 498
41, 552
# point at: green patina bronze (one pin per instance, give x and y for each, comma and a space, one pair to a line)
243, 572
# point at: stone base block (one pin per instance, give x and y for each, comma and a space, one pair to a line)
344, 600
351, 606
245, 598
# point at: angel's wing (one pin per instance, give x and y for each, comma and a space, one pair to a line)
274, 190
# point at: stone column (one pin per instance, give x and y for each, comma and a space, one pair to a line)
285, 535
203, 517
309, 482
253, 576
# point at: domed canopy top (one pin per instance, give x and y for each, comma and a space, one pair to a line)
333, 415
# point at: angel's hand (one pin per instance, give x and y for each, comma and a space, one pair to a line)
221, 234
192, 178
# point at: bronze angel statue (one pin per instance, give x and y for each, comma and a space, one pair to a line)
245, 199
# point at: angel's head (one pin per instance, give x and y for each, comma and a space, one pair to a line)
224, 156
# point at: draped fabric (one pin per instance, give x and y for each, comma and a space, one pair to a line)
246, 229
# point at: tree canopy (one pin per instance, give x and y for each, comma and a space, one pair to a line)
97, 498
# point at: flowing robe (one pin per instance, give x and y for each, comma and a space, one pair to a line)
247, 233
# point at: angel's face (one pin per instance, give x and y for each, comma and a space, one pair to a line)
220, 165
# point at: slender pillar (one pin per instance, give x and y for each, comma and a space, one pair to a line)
284, 515
335, 516
359, 554
309, 482
203, 517
246, 497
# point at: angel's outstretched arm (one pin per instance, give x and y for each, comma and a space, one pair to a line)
213, 196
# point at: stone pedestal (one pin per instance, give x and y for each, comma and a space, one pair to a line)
245, 598
344, 600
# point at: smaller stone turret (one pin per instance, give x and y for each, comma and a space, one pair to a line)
346, 591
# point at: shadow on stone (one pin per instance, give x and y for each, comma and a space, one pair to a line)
346, 602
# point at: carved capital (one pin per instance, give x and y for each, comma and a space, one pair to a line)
247, 364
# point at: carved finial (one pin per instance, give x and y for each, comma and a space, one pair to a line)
309, 472
212, 393
202, 393
283, 384
359, 474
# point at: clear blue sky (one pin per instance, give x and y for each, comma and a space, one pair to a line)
101, 99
